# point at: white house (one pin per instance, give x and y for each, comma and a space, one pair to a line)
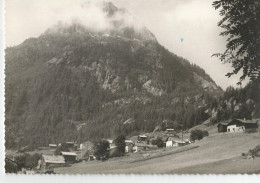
235, 128
240, 125
171, 143
129, 144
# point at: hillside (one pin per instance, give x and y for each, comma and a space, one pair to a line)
236, 103
219, 153
74, 83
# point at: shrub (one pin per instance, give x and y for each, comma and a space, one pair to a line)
205, 133
255, 151
27, 160
198, 134
158, 141
32, 160
213, 121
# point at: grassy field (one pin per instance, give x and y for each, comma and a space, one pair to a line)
218, 153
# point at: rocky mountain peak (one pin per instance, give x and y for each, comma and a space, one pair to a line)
112, 21
110, 8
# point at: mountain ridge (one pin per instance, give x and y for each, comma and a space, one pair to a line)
77, 84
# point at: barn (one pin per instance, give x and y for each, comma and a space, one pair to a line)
70, 157
47, 161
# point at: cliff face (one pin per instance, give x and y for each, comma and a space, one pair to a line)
74, 83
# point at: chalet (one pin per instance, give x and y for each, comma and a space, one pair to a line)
170, 142
143, 147
222, 127
52, 146
175, 142
85, 149
47, 161
85, 146
239, 125
142, 138
70, 157
129, 144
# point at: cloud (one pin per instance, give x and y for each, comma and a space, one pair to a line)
96, 16
88, 14
28, 18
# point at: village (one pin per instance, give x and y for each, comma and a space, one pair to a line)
143, 147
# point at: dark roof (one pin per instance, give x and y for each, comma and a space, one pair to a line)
248, 121
223, 123
243, 122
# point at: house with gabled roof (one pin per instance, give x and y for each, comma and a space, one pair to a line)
70, 157
47, 161
240, 125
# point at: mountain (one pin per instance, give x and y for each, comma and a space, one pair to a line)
77, 82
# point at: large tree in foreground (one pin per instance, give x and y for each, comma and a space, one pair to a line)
241, 21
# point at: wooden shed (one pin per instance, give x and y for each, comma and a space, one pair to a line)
70, 157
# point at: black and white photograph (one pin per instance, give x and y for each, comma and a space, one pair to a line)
132, 87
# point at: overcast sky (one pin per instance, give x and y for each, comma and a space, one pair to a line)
170, 20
